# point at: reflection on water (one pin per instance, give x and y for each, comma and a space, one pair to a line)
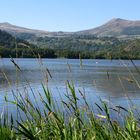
105, 78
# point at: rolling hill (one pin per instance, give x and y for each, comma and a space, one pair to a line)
21, 32
117, 38
116, 27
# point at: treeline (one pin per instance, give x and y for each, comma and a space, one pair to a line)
98, 54
32, 52
27, 52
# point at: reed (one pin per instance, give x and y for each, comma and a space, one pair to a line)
50, 122
44, 119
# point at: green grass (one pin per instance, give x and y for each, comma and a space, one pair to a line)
71, 122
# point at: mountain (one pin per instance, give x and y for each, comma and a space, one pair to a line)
27, 34
21, 32
115, 27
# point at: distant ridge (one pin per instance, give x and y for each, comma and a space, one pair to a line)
116, 27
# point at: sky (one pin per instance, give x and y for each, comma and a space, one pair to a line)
66, 15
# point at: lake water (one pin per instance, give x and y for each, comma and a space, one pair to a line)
116, 80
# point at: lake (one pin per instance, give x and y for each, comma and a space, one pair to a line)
114, 80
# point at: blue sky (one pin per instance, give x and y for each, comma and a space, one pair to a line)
66, 15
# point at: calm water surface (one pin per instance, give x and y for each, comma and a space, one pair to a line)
111, 80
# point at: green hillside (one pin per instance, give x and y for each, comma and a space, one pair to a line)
15, 47
70, 46
90, 46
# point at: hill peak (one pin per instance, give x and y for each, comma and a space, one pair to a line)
21, 31
117, 19
116, 27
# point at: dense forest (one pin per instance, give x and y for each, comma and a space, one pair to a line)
71, 46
